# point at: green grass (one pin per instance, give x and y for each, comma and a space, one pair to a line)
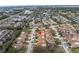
39, 49
59, 50
75, 50
22, 50
11, 50
7, 45
27, 30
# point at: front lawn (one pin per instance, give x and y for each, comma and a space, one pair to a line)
75, 50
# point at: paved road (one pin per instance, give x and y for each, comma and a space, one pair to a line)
31, 39
63, 43
4, 34
10, 17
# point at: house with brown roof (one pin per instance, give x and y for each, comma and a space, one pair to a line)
70, 35
18, 43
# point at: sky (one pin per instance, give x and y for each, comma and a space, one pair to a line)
38, 2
